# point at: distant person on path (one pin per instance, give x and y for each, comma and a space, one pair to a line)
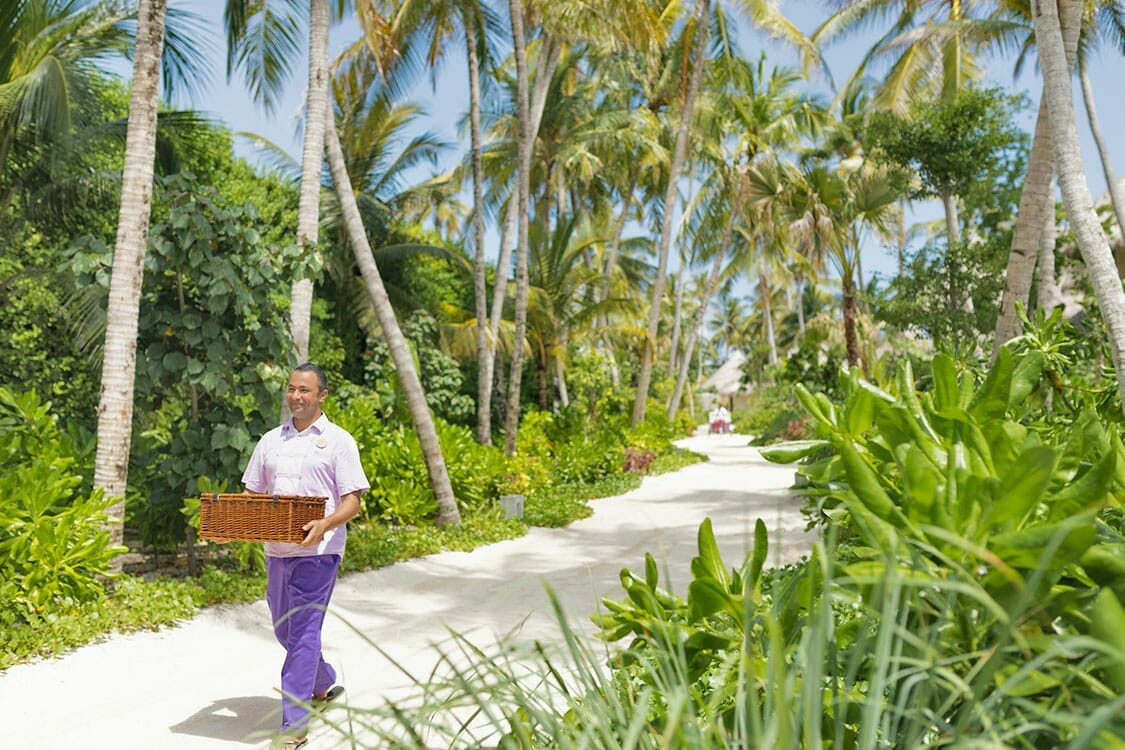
307, 456
724, 419
713, 424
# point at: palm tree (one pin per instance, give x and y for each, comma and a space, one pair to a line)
1037, 199
930, 51
115, 404
523, 191
828, 210
440, 21
1092, 242
448, 513
697, 31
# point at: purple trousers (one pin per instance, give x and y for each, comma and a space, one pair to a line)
297, 592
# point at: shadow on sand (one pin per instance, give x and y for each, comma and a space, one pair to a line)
245, 719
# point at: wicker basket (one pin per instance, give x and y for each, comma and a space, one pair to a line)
253, 517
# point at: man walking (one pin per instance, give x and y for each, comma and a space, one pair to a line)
309, 456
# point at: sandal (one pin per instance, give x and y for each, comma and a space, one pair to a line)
291, 743
329, 695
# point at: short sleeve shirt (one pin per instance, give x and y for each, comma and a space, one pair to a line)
322, 461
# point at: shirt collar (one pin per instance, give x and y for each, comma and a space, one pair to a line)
319, 426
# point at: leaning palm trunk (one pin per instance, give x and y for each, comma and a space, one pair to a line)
1092, 242
312, 159
648, 346
1035, 199
677, 323
523, 190
484, 362
448, 514
119, 364
1115, 197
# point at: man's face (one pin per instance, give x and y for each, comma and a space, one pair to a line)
303, 396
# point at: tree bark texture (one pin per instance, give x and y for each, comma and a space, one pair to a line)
312, 160
119, 363
1035, 198
1092, 242
523, 184
480, 285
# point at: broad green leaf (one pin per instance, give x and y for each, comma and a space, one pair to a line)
859, 412
991, 401
865, 484
1027, 548
1107, 623
652, 576
920, 479
710, 562
946, 392
1025, 377
1022, 487
1091, 489
174, 362
706, 596
792, 450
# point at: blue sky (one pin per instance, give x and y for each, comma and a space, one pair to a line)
446, 104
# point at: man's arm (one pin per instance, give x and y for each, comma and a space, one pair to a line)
345, 511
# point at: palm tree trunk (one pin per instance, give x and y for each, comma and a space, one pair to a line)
511, 422
448, 513
119, 363
800, 282
312, 160
767, 311
851, 340
480, 286
901, 236
560, 377
1049, 294
648, 346
1111, 181
713, 278
1092, 242
679, 282
610, 266
1035, 199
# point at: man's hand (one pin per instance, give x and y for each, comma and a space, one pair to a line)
345, 511
316, 531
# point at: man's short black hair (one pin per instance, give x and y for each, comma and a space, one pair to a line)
321, 378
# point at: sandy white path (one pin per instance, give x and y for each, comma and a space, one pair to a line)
210, 682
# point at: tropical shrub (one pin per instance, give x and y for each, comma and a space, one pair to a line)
53, 543
979, 517
213, 347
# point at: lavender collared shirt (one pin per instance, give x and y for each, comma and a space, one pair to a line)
322, 460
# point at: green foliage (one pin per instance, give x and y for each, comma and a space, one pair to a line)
949, 488
950, 143
53, 543
949, 294
213, 348
1077, 374
440, 373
